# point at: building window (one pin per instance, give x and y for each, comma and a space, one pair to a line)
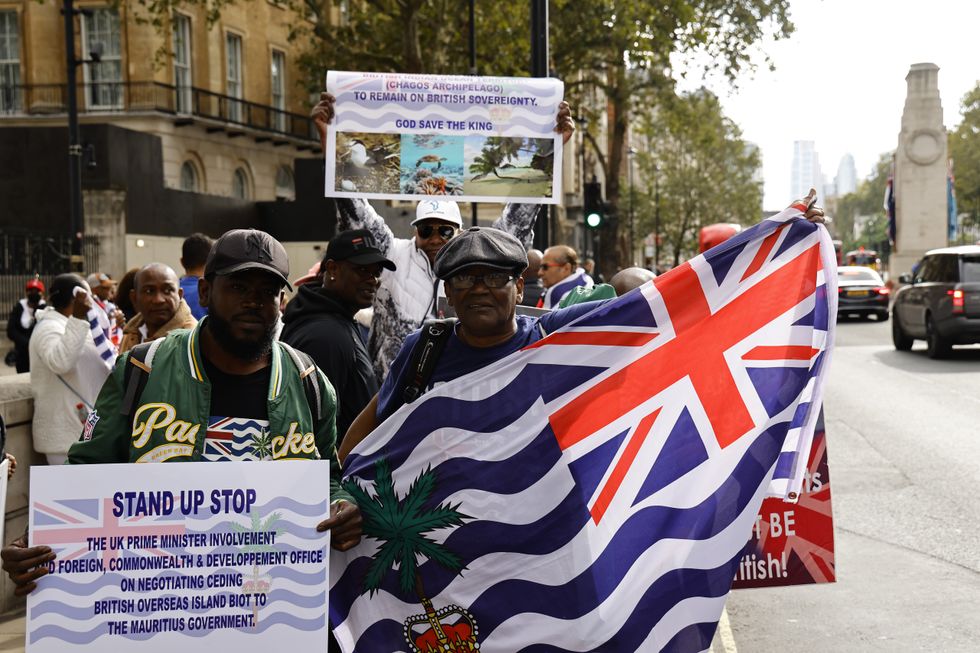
240, 185
285, 185
182, 62
9, 63
189, 180
100, 33
233, 86
278, 75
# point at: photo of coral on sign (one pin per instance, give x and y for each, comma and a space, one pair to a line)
432, 164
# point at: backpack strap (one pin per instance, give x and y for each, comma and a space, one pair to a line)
433, 338
137, 373
308, 375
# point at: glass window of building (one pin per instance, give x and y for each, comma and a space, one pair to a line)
10, 91
233, 86
182, 62
278, 78
189, 178
285, 185
100, 33
240, 185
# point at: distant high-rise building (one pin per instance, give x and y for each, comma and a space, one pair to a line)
805, 171
846, 179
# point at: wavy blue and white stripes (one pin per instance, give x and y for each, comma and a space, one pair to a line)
543, 571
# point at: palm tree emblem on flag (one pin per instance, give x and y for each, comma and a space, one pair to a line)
400, 524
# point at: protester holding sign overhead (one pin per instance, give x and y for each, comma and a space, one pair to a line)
408, 296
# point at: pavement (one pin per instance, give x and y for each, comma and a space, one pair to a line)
12, 627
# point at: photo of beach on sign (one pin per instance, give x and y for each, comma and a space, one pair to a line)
509, 167
367, 163
432, 164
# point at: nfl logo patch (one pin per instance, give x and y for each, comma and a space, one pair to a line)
90, 422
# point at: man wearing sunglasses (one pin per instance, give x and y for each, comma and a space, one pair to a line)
481, 270
560, 274
409, 296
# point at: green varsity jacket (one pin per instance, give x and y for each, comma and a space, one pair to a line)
170, 418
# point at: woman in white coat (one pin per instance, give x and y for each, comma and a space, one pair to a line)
67, 370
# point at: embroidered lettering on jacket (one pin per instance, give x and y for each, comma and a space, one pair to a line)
294, 443
161, 416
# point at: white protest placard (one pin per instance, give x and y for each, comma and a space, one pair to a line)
182, 557
484, 139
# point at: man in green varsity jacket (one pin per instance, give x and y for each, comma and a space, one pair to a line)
225, 390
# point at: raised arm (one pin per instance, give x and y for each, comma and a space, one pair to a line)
518, 220
60, 351
359, 214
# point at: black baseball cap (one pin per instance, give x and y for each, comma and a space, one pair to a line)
357, 246
248, 249
484, 246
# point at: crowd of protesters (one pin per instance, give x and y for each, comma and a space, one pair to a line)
222, 346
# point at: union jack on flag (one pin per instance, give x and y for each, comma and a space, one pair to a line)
595, 491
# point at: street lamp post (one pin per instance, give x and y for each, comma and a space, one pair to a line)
583, 124
472, 35
656, 218
630, 155
74, 146
539, 68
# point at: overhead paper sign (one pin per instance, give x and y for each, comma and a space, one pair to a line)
487, 139
180, 557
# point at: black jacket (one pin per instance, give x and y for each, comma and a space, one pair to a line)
325, 329
21, 336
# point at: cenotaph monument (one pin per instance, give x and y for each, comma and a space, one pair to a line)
920, 172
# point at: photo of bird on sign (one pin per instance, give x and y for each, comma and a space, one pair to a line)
368, 163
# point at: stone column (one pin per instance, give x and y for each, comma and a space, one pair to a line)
105, 217
920, 171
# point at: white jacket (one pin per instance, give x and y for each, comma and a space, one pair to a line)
409, 295
62, 346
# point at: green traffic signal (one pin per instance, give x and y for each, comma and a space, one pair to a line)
593, 219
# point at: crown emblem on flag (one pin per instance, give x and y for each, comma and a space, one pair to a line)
448, 630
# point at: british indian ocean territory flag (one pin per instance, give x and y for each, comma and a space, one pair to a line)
595, 491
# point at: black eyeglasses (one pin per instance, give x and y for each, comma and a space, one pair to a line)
445, 231
492, 280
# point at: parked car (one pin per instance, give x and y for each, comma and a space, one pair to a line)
941, 304
860, 291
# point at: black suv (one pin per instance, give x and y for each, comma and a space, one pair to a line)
941, 304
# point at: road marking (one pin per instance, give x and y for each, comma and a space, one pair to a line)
725, 634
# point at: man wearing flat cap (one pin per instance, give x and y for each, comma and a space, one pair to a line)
481, 270
227, 370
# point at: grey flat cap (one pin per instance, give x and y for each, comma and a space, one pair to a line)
484, 246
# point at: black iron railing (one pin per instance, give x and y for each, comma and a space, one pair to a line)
23, 255
125, 97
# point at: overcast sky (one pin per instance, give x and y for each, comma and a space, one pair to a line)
840, 80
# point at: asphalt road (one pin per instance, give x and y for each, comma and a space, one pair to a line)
903, 438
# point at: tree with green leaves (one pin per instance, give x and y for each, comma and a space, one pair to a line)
865, 206
623, 50
964, 150
400, 524
704, 170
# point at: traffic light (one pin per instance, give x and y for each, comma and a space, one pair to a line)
594, 208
